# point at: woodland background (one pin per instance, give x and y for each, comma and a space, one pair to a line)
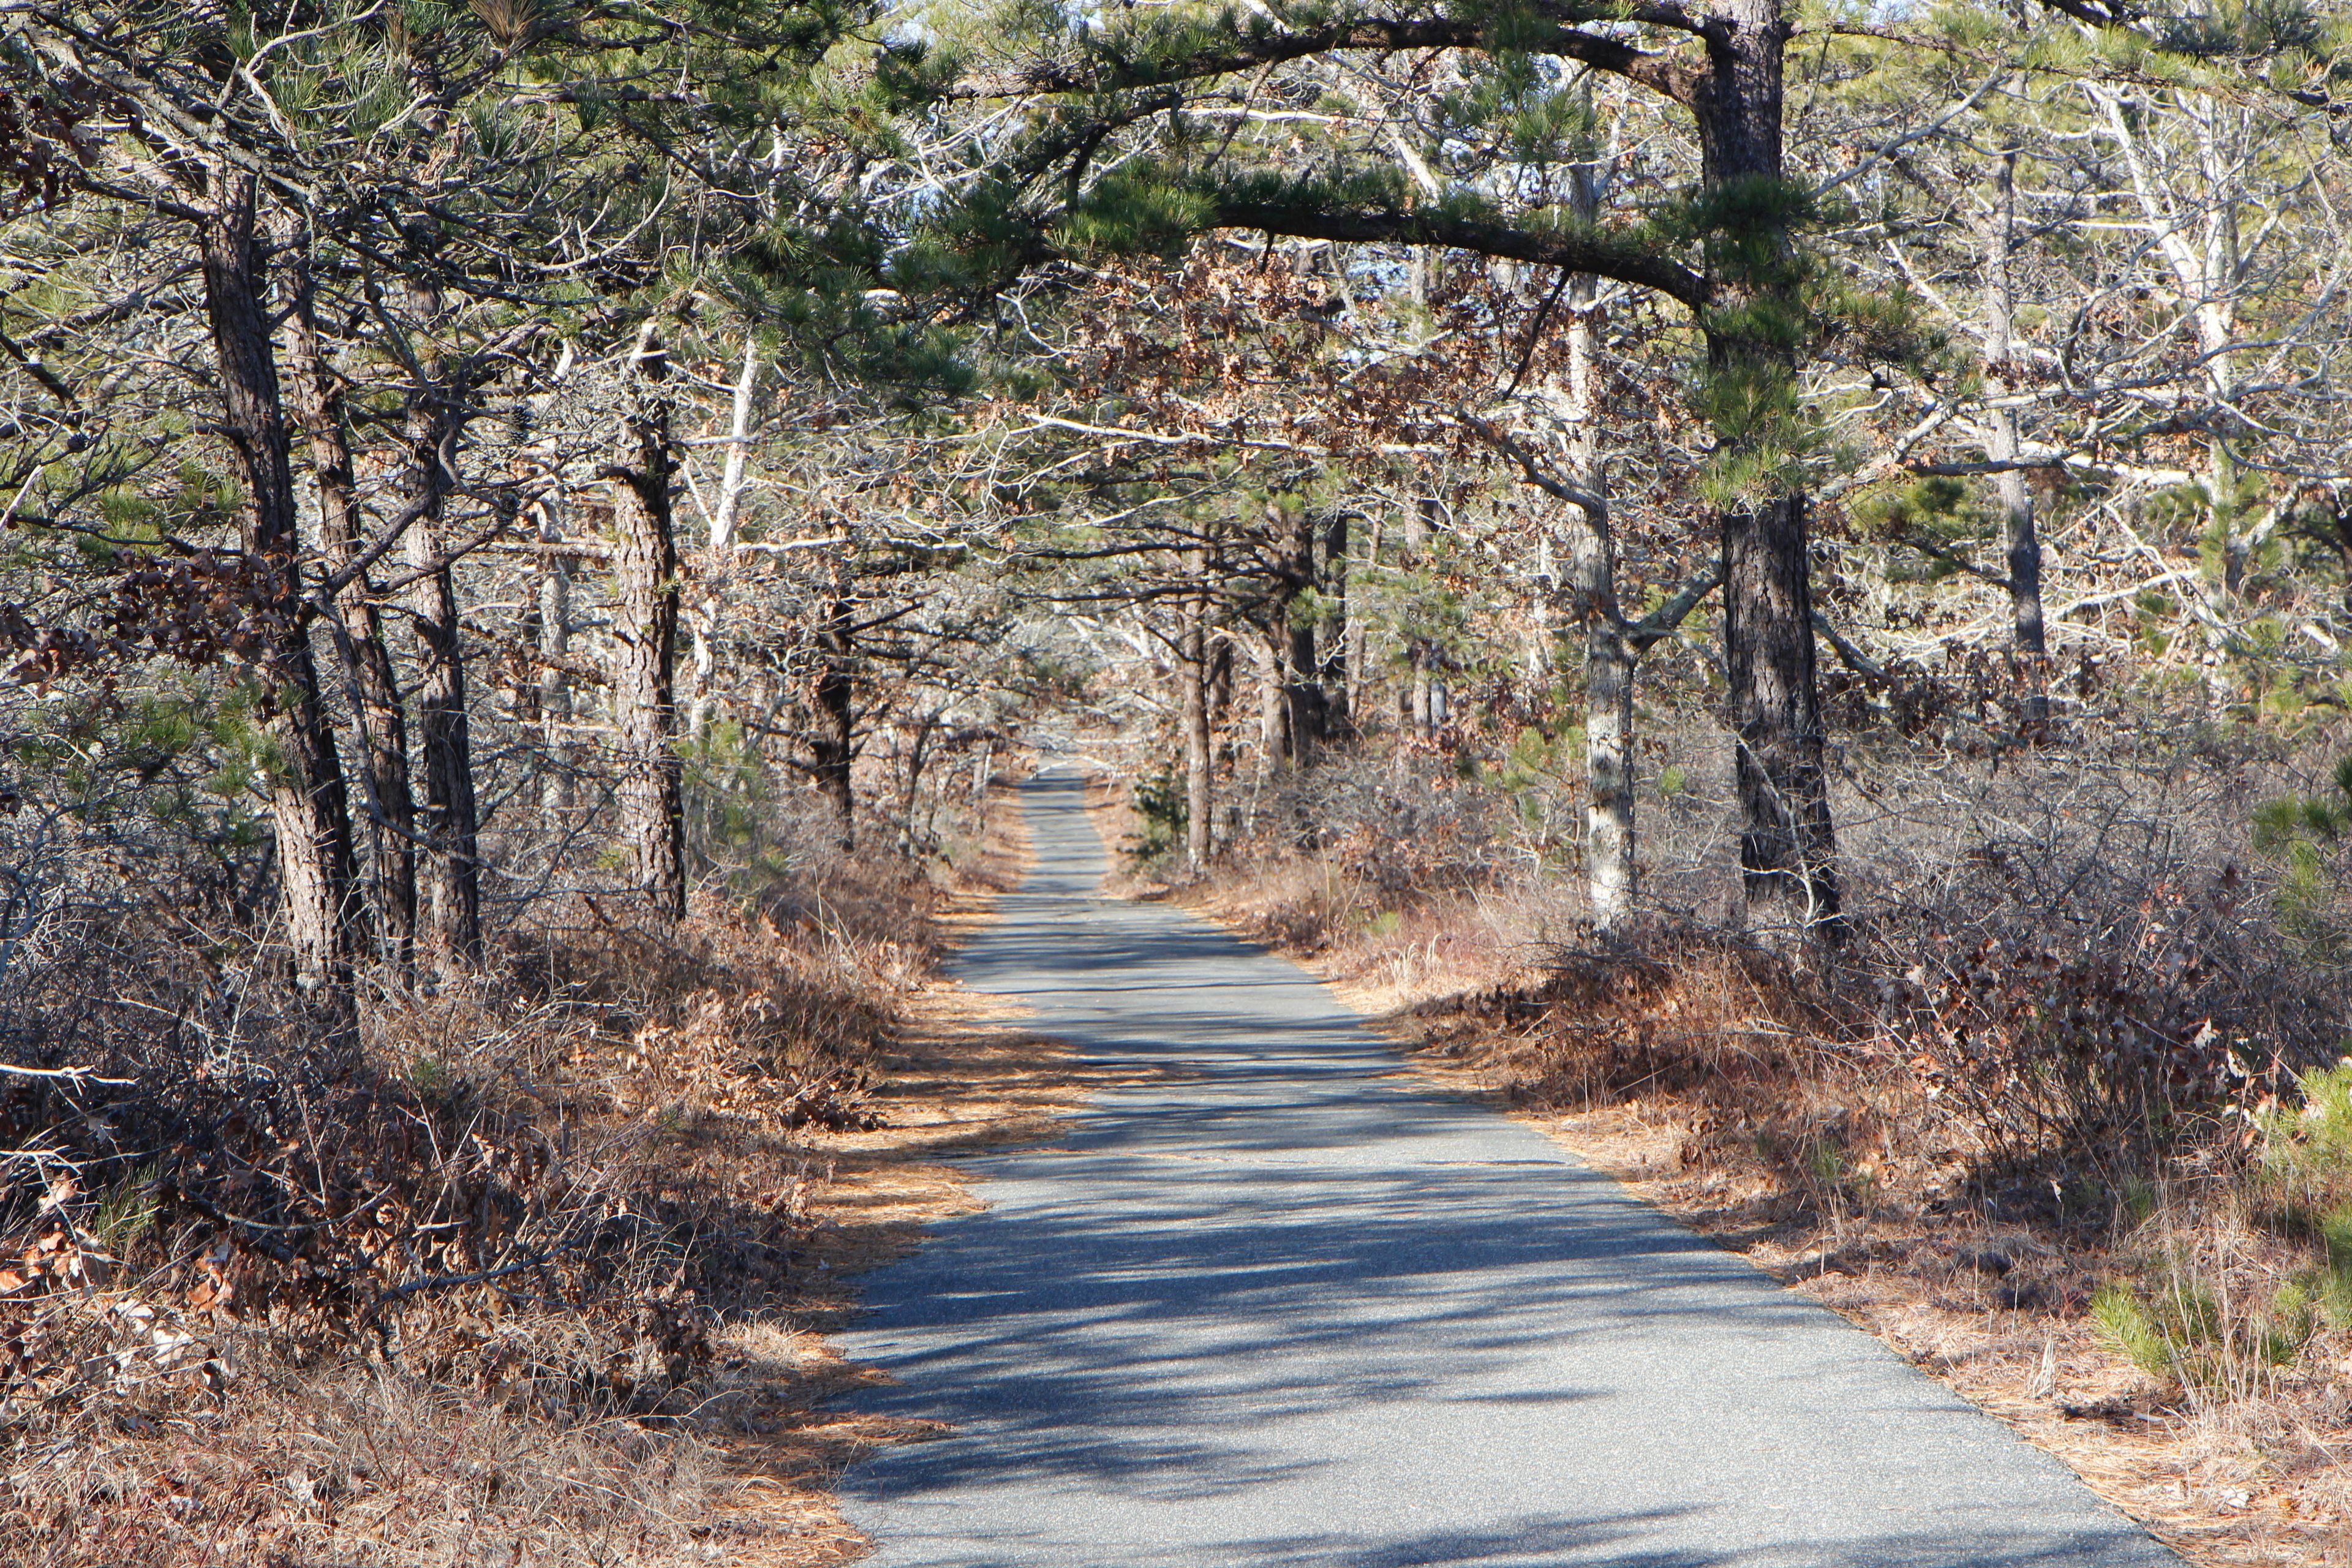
1782, 569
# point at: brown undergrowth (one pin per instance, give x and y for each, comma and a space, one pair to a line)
2144, 1296
537, 1270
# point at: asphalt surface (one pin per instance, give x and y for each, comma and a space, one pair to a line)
1268, 1303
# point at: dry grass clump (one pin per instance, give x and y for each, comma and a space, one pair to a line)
521, 1274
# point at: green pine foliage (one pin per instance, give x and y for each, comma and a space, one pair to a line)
2303, 835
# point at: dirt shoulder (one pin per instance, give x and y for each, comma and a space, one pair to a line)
966, 1076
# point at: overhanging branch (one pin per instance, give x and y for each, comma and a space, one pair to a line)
1106, 72
1600, 254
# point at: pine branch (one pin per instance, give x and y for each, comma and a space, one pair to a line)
1599, 254
1949, 556
1244, 52
1660, 622
1861, 663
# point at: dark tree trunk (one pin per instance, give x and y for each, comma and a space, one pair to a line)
833, 735
311, 811
380, 726
1274, 704
645, 706
2023, 541
1425, 696
1359, 675
1787, 850
1754, 324
453, 901
1292, 644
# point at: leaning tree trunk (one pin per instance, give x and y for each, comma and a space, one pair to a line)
380, 725
644, 660
1787, 848
308, 803
453, 901
2005, 446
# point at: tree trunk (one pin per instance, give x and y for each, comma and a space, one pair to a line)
308, 805
1359, 670
1291, 640
555, 793
1193, 671
452, 917
1609, 773
832, 738
1272, 704
710, 603
645, 662
381, 725
2024, 542
1608, 654
1417, 650
1788, 847
919, 747
981, 769
1334, 673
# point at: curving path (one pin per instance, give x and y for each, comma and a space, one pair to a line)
1270, 1304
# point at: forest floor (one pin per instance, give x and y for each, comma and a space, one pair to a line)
1997, 1312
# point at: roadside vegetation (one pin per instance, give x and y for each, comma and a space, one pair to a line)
534, 1269
1780, 575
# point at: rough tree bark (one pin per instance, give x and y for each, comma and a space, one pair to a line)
644, 641
1787, 847
451, 924
309, 806
381, 725
833, 715
1753, 324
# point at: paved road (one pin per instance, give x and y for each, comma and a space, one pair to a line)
1267, 1304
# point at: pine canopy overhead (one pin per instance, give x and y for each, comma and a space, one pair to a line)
1464, 127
